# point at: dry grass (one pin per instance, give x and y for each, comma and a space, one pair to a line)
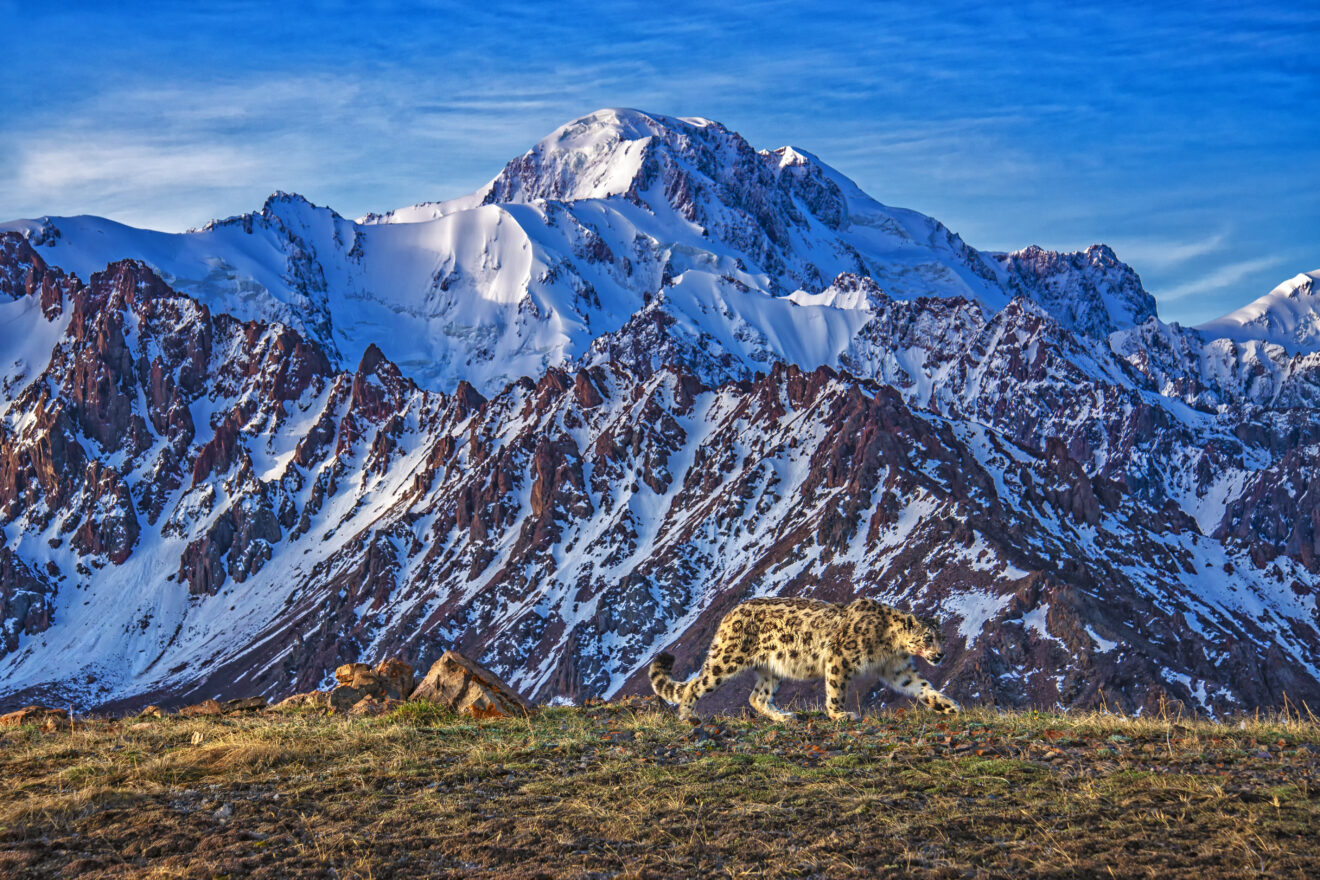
626, 790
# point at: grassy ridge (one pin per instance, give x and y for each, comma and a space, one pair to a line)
625, 789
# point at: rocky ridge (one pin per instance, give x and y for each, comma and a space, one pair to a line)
197, 504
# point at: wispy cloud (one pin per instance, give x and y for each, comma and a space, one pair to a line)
1218, 279
111, 169
1161, 255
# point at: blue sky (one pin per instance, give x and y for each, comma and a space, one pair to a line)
1184, 137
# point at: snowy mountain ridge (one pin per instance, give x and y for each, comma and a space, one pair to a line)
567, 243
566, 421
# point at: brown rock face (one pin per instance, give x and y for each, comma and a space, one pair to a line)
110, 437
24, 273
1278, 511
237, 545
468, 688
25, 600
397, 677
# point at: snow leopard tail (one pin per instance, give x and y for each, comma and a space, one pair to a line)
662, 681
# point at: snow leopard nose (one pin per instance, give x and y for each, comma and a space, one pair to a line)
936, 657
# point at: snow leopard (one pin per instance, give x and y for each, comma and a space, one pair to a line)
804, 639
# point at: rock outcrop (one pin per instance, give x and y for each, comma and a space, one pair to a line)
468, 688
316, 701
388, 684
41, 716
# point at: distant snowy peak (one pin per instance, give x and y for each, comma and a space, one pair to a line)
279, 205
1287, 316
1091, 292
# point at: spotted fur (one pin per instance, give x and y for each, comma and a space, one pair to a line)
804, 639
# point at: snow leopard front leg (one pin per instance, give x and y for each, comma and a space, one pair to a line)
903, 677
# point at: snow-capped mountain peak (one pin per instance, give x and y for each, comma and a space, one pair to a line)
610, 212
596, 156
1287, 316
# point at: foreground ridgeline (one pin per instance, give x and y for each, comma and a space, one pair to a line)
566, 423
626, 788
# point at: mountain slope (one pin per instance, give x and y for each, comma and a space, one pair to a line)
226, 512
565, 422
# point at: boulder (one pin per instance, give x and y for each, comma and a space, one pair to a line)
354, 674
346, 696
244, 704
312, 700
358, 680
398, 678
464, 686
372, 706
48, 719
204, 708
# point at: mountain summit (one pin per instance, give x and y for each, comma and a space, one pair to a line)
606, 214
